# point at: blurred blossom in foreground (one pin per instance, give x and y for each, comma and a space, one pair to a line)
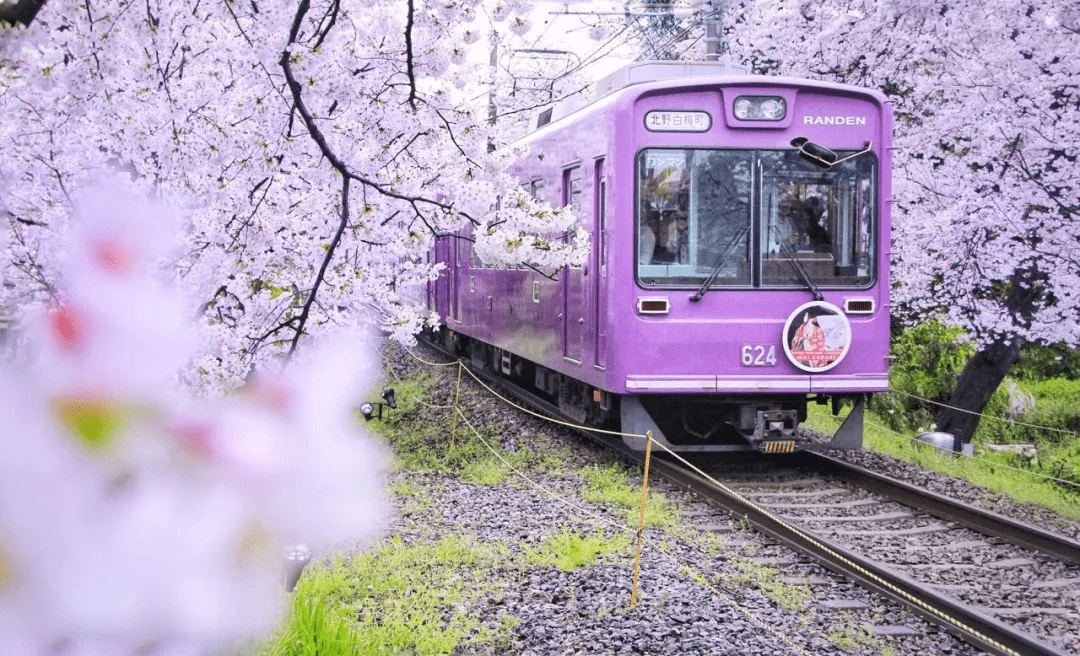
135, 518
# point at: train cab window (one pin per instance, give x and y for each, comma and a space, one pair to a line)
693, 216
821, 219
756, 218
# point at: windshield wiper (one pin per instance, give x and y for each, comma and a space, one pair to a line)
719, 265
790, 252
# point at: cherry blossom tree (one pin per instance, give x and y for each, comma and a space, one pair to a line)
316, 150
986, 179
134, 518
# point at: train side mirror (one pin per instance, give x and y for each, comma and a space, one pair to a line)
815, 154
821, 156
388, 396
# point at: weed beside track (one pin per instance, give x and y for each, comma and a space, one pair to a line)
513, 536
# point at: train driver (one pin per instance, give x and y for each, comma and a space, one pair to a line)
802, 222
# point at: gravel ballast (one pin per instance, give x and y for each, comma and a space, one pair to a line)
706, 585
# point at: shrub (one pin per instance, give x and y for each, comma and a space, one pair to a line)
928, 359
1055, 407
1044, 362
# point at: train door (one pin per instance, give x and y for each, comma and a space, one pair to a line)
442, 283
453, 264
573, 285
600, 264
430, 284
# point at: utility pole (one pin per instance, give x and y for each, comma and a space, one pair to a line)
664, 18
493, 68
714, 23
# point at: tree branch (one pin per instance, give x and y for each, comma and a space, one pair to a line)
301, 321
409, 58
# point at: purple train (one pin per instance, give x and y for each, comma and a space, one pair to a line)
739, 266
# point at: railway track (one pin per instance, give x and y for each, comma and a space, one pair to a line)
1001, 585
971, 572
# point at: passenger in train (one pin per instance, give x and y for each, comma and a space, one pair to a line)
813, 217
663, 238
671, 241
804, 219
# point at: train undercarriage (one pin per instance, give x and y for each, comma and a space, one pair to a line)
681, 422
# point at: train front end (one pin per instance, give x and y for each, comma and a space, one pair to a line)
759, 278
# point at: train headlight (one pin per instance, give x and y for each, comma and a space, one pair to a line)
773, 109
743, 108
760, 108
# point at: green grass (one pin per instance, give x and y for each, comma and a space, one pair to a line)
569, 550
768, 580
406, 488
711, 543
313, 628
424, 437
852, 638
608, 484
394, 599
488, 471
995, 472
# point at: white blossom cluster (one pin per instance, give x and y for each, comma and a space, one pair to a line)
135, 518
254, 118
987, 141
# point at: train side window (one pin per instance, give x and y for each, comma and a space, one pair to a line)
474, 259
572, 194
602, 220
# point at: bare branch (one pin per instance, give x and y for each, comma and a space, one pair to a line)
409, 58
301, 321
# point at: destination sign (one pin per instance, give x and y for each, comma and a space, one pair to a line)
676, 121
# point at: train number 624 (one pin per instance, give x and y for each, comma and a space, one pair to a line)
758, 355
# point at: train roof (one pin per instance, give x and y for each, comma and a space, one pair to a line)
676, 71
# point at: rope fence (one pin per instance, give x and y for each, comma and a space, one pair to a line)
986, 416
640, 533
945, 451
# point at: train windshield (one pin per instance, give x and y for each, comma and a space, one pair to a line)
754, 218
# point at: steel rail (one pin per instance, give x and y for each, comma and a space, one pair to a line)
967, 623
983, 521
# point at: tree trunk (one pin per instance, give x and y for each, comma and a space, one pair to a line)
978, 382
19, 11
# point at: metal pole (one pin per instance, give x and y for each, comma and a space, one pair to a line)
641, 522
493, 67
713, 30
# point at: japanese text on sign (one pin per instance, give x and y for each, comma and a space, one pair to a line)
666, 159
674, 121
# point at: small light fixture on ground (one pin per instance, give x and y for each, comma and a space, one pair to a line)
296, 559
367, 408
945, 442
